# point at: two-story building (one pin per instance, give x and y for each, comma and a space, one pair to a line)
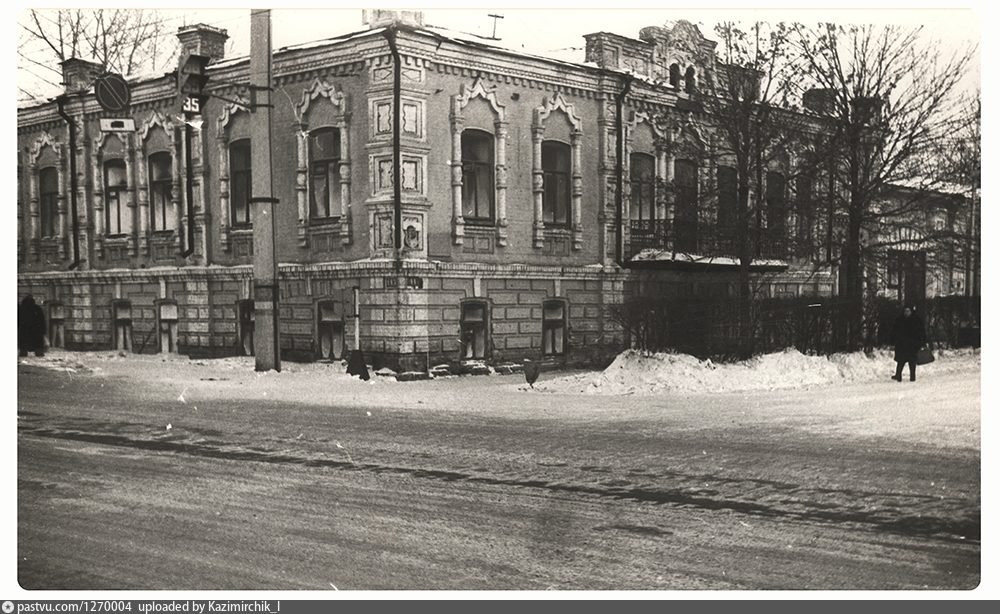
509, 205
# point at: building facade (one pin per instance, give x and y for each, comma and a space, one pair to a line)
932, 248
508, 180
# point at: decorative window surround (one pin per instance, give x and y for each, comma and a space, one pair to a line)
541, 114
341, 103
225, 231
683, 140
413, 167
98, 173
412, 123
45, 140
458, 103
663, 166
157, 119
380, 229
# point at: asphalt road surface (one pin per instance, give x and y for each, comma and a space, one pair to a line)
288, 495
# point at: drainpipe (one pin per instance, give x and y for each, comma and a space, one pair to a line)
397, 219
189, 191
619, 154
61, 101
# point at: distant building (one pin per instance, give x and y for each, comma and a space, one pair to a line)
508, 173
932, 248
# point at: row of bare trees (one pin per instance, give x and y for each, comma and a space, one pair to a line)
886, 112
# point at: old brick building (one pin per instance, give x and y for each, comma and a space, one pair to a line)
508, 173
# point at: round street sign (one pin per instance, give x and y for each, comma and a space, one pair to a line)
112, 92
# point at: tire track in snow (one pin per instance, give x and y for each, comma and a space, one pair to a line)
961, 528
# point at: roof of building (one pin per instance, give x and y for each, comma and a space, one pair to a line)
929, 185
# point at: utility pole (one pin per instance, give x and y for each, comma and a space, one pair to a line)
267, 345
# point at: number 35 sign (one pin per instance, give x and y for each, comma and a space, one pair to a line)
191, 105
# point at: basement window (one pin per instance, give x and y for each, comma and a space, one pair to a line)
167, 326
245, 315
474, 329
121, 313
554, 327
330, 327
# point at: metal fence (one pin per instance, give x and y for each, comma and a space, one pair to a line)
711, 328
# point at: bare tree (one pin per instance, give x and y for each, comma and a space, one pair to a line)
891, 97
126, 41
746, 103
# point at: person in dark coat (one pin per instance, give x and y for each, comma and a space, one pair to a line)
908, 335
30, 328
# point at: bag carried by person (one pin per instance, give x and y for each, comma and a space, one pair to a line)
925, 357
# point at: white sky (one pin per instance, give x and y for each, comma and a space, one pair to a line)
554, 32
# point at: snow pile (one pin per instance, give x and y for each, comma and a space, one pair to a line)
58, 361
634, 372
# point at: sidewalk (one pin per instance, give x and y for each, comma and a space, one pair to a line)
942, 408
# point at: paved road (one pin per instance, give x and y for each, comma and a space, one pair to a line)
278, 495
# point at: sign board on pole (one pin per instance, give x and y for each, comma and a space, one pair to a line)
112, 92
118, 125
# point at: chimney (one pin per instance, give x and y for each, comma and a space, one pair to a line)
380, 18
201, 39
79, 75
866, 110
820, 100
601, 50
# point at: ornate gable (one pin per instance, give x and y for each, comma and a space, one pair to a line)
156, 119
682, 44
481, 90
322, 89
41, 142
557, 102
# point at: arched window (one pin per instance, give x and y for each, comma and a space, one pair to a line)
240, 182
675, 75
728, 218
324, 173
162, 215
554, 327
690, 81
555, 182
774, 194
478, 188
115, 184
643, 179
475, 329
686, 205
48, 178
805, 215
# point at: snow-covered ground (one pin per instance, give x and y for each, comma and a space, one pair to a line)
847, 395
632, 372
635, 372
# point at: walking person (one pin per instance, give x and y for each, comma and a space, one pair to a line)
908, 335
30, 328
